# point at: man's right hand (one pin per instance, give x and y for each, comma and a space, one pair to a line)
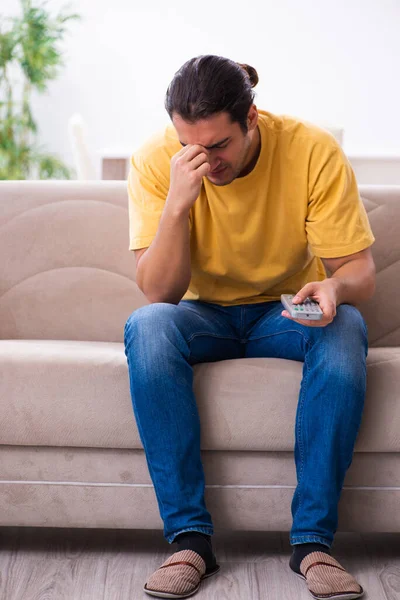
188, 167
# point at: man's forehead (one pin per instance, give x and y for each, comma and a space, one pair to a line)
206, 132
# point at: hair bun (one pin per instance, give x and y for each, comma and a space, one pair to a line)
251, 72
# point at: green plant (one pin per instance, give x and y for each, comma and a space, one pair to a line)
29, 58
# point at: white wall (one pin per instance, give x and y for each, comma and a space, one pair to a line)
326, 61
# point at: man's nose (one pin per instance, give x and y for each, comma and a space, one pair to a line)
215, 163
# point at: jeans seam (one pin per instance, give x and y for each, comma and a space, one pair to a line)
261, 337
149, 462
139, 426
300, 420
126, 336
194, 528
266, 318
214, 319
214, 335
304, 539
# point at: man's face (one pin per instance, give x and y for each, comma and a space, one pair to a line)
227, 145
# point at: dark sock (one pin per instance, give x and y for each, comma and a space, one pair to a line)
198, 542
300, 551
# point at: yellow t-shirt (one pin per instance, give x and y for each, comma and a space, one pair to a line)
263, 234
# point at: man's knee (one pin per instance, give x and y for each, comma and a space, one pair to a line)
345, 348
151, 319
350, 322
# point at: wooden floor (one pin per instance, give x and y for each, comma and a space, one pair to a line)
85, 564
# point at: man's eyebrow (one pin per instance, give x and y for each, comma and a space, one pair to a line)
213, 146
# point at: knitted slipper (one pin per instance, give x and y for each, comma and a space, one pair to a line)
327, 579
179, 576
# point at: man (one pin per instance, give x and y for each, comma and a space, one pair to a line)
229, 208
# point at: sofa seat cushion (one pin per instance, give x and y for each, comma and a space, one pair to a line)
76, 394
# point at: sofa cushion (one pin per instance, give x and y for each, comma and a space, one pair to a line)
70, 393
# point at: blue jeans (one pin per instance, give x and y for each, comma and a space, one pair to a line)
162, 343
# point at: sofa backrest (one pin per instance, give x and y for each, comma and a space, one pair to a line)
66, 271
381, 312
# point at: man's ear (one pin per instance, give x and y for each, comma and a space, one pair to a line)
252, 117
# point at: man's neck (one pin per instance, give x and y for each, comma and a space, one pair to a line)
254, 153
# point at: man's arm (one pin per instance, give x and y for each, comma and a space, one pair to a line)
164, 268
352, 282
353, 276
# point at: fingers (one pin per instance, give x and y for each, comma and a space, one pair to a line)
199, 159
203, 169
190, 151
301, 295
194, 157
309, 323
329, 309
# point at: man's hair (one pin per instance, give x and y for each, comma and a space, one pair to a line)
210, 84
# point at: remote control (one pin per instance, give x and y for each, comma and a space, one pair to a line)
308, 310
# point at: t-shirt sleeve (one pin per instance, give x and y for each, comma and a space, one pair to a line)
337, 223
147, 191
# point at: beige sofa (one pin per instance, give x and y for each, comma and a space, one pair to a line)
70, 451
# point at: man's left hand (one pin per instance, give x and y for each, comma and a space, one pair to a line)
323, 292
